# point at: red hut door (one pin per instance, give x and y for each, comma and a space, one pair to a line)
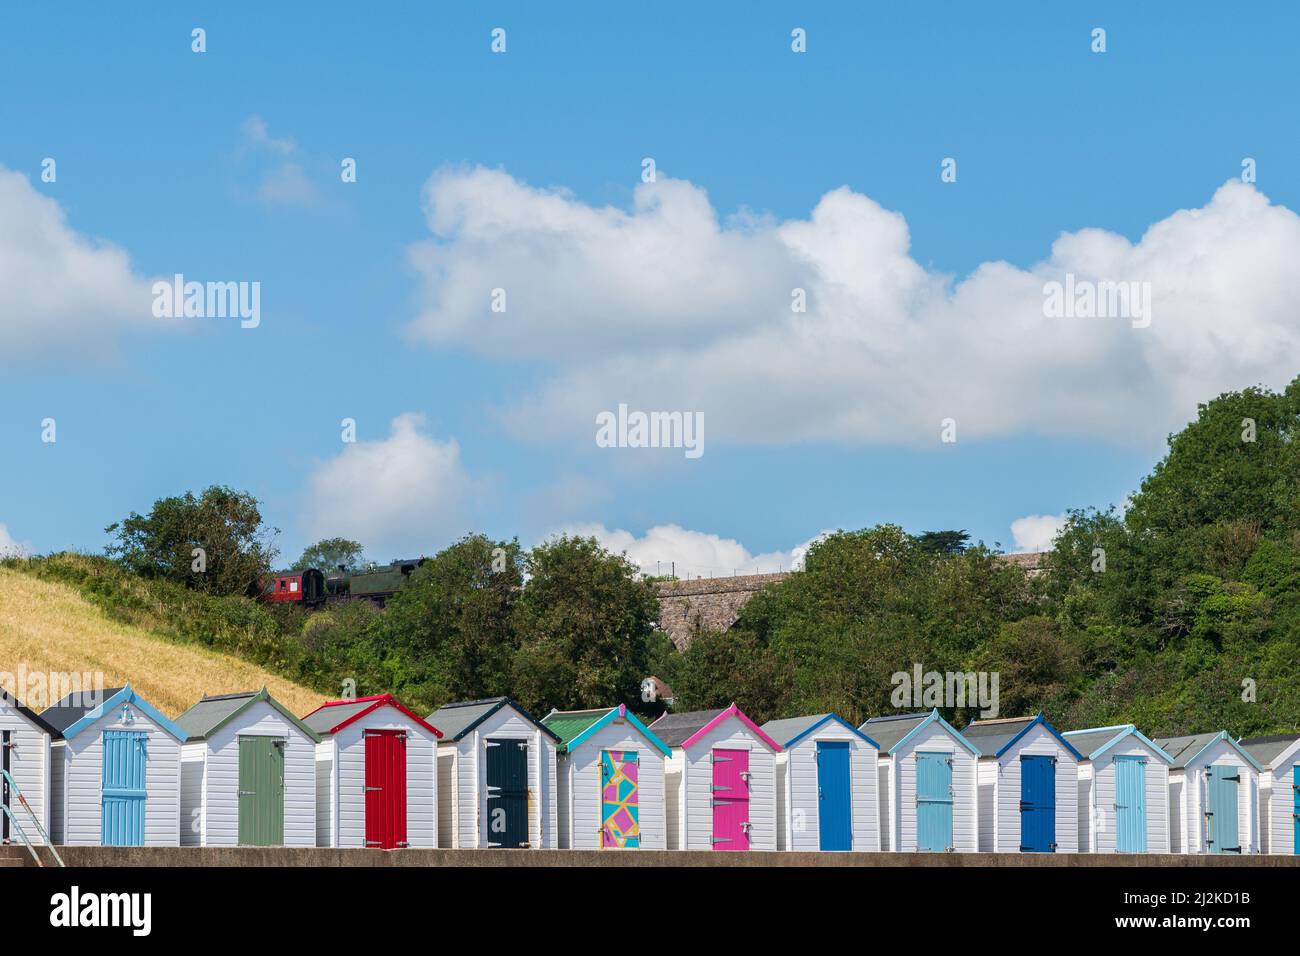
386, 789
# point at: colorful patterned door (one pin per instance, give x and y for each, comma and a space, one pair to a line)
1221, 786
1130, 804
386, 789
620, 798
933, 802
730, 799
123, 794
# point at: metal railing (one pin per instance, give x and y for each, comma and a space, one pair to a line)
13, 789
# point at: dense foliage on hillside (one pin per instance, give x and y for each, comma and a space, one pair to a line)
1180, 614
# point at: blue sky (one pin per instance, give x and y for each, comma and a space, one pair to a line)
225, 166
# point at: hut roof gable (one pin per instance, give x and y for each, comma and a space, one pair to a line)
575, 727
331, 717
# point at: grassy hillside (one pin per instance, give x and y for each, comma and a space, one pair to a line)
49, 626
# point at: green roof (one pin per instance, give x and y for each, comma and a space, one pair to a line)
567, 724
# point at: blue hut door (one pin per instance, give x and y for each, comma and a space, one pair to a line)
1037, 804
834, 819
1295, 809
934, 802
1221, 813
1130, 804
123, 791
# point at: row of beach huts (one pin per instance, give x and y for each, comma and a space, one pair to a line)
241, 770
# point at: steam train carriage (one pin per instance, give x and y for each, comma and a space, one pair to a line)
312, 588
306, 587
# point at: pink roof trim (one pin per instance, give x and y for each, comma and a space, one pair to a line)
732, 711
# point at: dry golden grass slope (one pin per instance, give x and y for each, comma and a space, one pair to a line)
50, 627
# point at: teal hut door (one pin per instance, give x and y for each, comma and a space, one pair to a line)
123, 794
1130, 804
934, 802
1222, 783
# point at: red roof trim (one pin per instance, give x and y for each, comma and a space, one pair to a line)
377, 701
732, 711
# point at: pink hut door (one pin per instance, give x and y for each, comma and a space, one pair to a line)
731, 800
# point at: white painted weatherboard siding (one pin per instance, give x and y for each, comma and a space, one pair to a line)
1097, 798
1189, 786
342, 760
999, 794
580, 797
902, 791
797, 797
83, 779
218, 799
1277, 804
29, 765
695, 796
469, 802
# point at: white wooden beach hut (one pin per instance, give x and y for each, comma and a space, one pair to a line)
611, 780
720, 782
376, 775
928, 797
826, 782
1213, 793
115, 771
1123, 791
1028, 779
1279, 792
248, 773
499, 771
25, 740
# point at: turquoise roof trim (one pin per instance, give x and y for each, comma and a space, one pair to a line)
1123, 730
126, 695
1225, 736
616, 713
936, 717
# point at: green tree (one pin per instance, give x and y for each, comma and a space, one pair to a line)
215, 543
944, 542
330, 554
451, 624
585, 623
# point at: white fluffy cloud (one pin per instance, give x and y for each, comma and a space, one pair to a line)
667, 307
1036, 532
9, 548
400, 496
696, 553
60, 291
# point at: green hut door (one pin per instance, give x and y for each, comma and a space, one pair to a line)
261, 791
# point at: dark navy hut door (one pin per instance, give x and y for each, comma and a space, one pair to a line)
1037, 804
507, 793
834, 816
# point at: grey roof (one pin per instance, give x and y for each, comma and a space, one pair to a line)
1268, 749
76, 705
1088, 742
7, 699
324, 719
211, 712
990, 736
1183, 749
785, 730
458, 719
888, 731
673, 729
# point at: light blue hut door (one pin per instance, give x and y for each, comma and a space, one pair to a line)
1130, 804
934, 802
123, 794
1221, 813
